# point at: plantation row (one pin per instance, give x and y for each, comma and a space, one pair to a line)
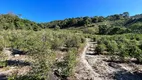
42, 47
126, 46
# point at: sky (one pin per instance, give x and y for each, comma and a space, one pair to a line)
49, 10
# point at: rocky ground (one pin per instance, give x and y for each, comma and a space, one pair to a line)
99, 67
16, 64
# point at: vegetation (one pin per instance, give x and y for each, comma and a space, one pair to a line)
124, 46
2, 64
41, 46
66, 67
118, 34
122, 23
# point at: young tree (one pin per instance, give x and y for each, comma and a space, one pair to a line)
100, 48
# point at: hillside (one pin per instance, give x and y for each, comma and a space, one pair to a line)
82, 48
123, 23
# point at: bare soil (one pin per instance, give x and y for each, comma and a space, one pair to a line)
16, 65
99, 67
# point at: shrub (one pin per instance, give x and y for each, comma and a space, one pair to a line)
56, 44
3, 64
73, 41
112, 47
41, 46
93, 30
100, 48
66, 67
25, 77
126, 46
136, 53
123, 54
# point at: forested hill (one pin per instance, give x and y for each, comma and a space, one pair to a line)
117, 22
11, 21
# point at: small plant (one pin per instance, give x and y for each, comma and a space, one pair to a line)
3, 64
66, 67
24, 77
100, 48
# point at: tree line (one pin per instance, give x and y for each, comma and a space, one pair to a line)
12, 21
122, 23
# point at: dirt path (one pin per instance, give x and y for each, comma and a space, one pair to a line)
96, 67
84, 69
85, 62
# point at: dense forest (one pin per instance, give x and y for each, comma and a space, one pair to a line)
116, 35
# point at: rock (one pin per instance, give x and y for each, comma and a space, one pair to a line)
114, 65
10, 51
16, 55
12, 67
7, 51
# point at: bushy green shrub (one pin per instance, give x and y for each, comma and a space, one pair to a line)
3, 64
66, 67
74, 41
112, 47
25, 77
101, 48
125, 46
57, 44
41, 47
92, 30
